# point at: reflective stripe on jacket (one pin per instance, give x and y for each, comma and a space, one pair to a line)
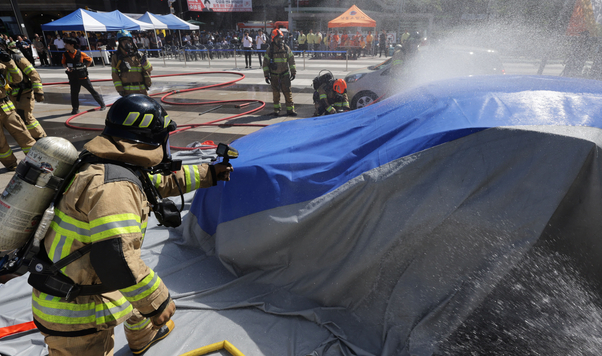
96, 209
135, 77
283, 58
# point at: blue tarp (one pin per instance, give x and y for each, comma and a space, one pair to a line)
300, 160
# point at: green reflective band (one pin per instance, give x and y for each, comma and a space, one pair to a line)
289, 108
33, 125
36, 85
147, 65
13, 70
55, 311
133, 87
6, 154
143, 288
166, 121
193, 178
280, 60
96, 229
276, 106
131, 118
27, 69
146, 120
330, 109
293, 66
337, 104
322, 96
138, 326
156, 180
114, 70
25, 149
118, 84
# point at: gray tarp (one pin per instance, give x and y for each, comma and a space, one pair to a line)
474, 245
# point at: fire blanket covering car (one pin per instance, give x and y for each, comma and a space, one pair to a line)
461, 216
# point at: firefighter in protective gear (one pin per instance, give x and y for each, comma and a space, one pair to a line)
279, 70
105, 209
77, 62
11, 75
130, 70
27, 92
331, 97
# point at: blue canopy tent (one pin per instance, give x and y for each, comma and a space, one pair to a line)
175, 23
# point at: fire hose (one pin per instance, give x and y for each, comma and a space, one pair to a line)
165, 94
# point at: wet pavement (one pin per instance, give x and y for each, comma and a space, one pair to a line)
176, 75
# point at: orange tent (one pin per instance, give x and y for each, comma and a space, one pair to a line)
354, 17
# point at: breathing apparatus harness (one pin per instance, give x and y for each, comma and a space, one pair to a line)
45, 275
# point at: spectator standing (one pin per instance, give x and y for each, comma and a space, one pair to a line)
382, 44
41, 49
261, 42
310, 40
302, 39
83, 42
24, 45
318, 43
370, 43
59, 45
247, 46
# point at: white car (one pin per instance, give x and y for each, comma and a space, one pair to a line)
431, 63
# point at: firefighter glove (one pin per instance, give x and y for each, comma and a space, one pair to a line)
39, 97
292, 77
267, 80
4, 56
121, 92
222, 171
143, 59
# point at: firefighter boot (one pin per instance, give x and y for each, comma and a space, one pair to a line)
141, 335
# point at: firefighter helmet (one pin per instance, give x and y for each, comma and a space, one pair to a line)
275, 33
139, 118
123, 34
339, 86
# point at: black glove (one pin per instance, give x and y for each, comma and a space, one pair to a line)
292, 77
267, 80
4, 56
121, 92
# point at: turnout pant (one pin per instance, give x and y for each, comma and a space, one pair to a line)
138, 332
15, 126
24, 107
282, 83
76, 85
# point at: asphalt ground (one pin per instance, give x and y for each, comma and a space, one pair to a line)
176, 75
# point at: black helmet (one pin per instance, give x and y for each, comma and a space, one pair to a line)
139, 118
3, 43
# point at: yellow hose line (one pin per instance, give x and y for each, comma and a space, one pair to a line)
215, 347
